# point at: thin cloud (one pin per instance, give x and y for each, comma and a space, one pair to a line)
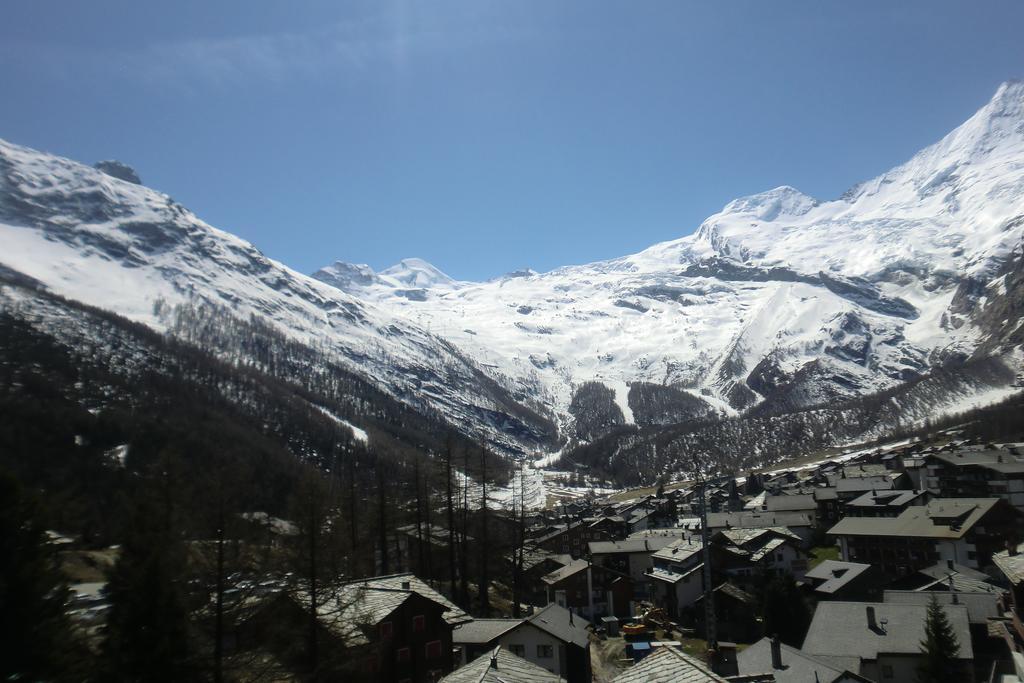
392, 42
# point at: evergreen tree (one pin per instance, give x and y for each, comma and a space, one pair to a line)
785, 612
148, 627
35, 636
940, 647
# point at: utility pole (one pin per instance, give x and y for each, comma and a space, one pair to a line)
710, 626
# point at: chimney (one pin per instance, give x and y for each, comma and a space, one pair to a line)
777, 652
949, 564
646, 546
494, 660
571, 623
406, 585
872, 623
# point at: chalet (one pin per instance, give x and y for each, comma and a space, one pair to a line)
369, 631
680, 555
675, 591
746, 553
965, 530
536, 565
1010, 565
982, 608
591, 590
882, 641
629, 557
554, 639
800, 523
735, 614
571, 539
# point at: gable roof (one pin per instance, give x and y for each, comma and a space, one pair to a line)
352, 611
668, 665
797, 666
562, 573
835, 574
562, 624
482, 631
501, 666
453, 615
841, 629
980, 606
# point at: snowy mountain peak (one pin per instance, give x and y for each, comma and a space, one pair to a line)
767, 206
415, 272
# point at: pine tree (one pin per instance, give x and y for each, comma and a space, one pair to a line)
785, 612
35, 635
940, 647
148, 628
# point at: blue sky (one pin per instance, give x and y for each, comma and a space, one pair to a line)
488, 136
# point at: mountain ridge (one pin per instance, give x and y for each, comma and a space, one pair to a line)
779, 300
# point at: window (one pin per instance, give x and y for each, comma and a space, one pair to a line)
518, 650
403, 654
545, 652
433, 649
386, 629
419, 623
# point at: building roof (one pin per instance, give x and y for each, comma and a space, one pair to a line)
980, 606
1012, 566
668, 665
669, 576
941, 518
482, 631
649, 544
758, 520
797, 666
679, 550
501, 666
835, 574
351, 611
841, 629
997, 460
885, 499
790, 503
942, 570
562, 573
734, 592
562, 624
852, 484
453, 615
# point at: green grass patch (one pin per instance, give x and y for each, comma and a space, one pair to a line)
822, 553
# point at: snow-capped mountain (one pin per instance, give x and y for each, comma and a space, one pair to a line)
106, 241
779, 297
779, 300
